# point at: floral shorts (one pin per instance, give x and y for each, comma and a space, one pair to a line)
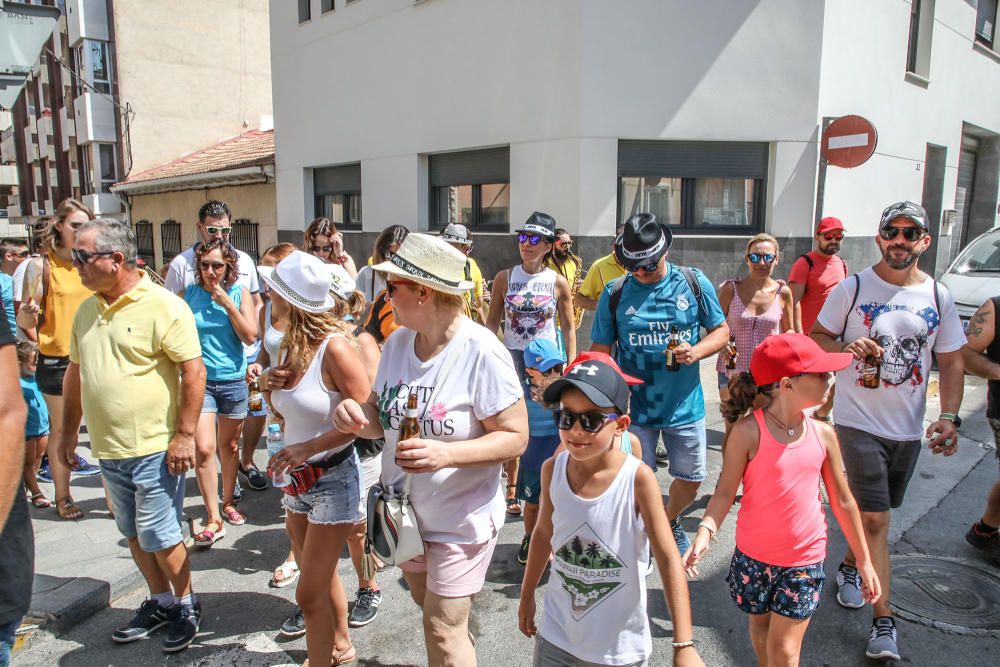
759, 588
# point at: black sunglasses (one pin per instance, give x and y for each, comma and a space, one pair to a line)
591, 422
648, 267
23, 253
911, 234
756, 257
321, 248
215, 266
225, 231
83, 257
533, 239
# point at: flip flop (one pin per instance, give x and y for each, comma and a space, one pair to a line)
289, 573
68, 510
40, 501
207, 537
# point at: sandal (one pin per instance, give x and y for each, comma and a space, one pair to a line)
234, 517
67, 509
207, 537
289, 571
513, 506
345, 658
40, 501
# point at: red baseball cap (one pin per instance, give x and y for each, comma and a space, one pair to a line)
787, 355
829, 224
604, 359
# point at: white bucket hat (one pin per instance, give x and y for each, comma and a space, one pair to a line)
306, 282
430, 261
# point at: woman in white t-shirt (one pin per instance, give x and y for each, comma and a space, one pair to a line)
472, 417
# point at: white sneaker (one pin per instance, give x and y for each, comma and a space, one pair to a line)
849, 587
882, 640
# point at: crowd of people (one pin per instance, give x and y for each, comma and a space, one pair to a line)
339, 366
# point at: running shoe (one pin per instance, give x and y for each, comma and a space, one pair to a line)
683, 544
184, 624
148, 619
661, 454
981, 540
84, 468
294, 625
256, 480
882, 640
522, 553
365, 607
44, 474
849, 587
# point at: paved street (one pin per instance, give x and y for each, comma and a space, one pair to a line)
242, 613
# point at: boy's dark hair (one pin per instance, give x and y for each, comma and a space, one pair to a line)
24, 349
214, 209
11, 244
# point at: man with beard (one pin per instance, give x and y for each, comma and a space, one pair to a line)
896, 312
569, 266
812, 278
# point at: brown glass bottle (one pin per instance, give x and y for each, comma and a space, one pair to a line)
675, 340
410, 426
732, 352
255, 399
871, 372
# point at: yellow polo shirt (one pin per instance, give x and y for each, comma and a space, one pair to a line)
601, 272
129, 379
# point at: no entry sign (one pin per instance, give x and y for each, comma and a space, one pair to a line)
849, 141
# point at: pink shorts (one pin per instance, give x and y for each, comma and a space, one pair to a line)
453, 570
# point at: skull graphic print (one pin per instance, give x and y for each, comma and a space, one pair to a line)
902, 333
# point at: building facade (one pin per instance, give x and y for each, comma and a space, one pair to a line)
124, 85
708, 114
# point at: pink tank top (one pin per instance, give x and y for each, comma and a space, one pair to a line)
750, 330
781, 520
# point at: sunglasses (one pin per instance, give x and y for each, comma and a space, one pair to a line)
831, 236
532, 239
757, 257
83, 257
215, 266
23, 253
76, 225
321, 248
911, 234
591, 422
564, 244
225, 231
391, 285
648, 267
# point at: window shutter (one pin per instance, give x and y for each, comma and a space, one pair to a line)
336, 180
693, 159
470, 167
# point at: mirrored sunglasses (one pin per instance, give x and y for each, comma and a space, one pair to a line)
834, 236
532, 239
757, 257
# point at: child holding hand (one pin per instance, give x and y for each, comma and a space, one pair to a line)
779, 455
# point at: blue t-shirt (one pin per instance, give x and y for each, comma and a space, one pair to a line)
221, 348
7, 296
37, 422
644, 317
543, 436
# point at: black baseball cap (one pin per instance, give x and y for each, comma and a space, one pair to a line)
600, 380
904, 209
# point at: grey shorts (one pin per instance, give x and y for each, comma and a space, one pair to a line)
548, 654
878, 469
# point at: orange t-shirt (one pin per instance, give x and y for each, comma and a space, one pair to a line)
65, 294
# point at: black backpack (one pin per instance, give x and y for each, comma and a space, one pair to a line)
618, 286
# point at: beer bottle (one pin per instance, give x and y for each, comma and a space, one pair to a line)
255, 400
733, 353
675, 340
871, 372
410, 426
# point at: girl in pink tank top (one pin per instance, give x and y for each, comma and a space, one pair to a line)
779, 455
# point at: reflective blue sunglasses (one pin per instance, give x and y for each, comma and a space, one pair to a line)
757, 258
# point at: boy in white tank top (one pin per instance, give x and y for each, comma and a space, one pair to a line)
600, 513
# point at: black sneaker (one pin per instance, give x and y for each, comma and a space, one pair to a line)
294, 625
148, 619
981, 540
256, 480
184, 624
522, 553
365, 607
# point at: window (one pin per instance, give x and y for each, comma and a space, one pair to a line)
93, 60
107, 166
986, 22
918, 49
326, 6
695, 187
305, 11
472, 188
338, 195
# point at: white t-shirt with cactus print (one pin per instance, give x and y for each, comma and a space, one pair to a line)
454, 505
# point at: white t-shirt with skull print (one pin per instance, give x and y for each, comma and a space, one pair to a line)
906, 323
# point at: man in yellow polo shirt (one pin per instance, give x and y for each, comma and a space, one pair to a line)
135, 372
600, 273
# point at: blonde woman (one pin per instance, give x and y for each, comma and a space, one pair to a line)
50, 296
756, 307
320, 366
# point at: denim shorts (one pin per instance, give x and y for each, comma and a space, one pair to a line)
686, 448
147, 499
226, 397
334, 499
758, 588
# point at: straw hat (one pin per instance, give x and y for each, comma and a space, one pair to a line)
430, 261
303, 281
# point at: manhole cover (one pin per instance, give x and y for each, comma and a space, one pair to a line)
946, 593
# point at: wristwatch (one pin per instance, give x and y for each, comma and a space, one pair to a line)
952, 417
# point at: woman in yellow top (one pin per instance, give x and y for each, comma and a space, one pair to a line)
52, 293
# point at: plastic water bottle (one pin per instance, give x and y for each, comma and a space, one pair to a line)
275, 443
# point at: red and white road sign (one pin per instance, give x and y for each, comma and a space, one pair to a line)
849, 141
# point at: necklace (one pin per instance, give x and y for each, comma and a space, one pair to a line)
790, 430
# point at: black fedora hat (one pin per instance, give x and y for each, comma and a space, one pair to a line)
643, 241
542, 224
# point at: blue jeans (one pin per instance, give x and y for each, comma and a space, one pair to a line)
7, 632
147, 500
686, 449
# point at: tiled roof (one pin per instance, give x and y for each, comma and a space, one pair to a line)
247, 150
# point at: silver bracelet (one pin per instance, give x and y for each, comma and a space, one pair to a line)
678, 645
711, 532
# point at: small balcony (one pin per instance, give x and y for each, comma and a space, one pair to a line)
8, 175
8, 152
95, 119
86, 19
